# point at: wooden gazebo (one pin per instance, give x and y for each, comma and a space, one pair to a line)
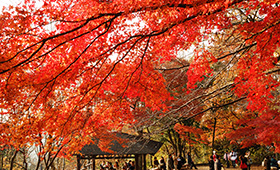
134, 147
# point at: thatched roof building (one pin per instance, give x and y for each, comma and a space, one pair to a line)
130, 147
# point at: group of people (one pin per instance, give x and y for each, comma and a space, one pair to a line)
159, 164
108, 166
215, 162
176, 163
270, 163
173, 162
130, 165
244, 161
231, 157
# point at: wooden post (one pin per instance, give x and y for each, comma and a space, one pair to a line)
151, 161
144, 161
93, 163
137, 162
140, 161
78, 162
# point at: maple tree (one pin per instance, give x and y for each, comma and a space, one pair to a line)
181, 134
72, 70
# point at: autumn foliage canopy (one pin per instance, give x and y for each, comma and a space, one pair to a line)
72, 70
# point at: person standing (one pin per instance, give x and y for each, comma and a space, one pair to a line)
125, 166
162, 164
233, 157
214, 156
102, 165
226, 158
175, 159
116, 165
249, 160
156, 163
129, 165
218, 164
267, 163
132, 167
170, 162
211, 163
190, 161
243, 162
181, 161
274, 163
110, 166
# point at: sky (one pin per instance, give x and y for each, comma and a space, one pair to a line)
8, 2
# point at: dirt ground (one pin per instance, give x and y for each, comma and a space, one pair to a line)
237, 168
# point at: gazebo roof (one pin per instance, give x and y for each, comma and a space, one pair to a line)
132, 145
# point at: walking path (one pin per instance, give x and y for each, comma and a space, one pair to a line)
237, 168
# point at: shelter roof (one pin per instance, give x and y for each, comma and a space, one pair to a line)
131, 145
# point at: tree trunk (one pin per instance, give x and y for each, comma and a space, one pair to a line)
13, 159
213, 140
2, 159
190, 148
38, 163
24, 161
63, 164
172, 142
